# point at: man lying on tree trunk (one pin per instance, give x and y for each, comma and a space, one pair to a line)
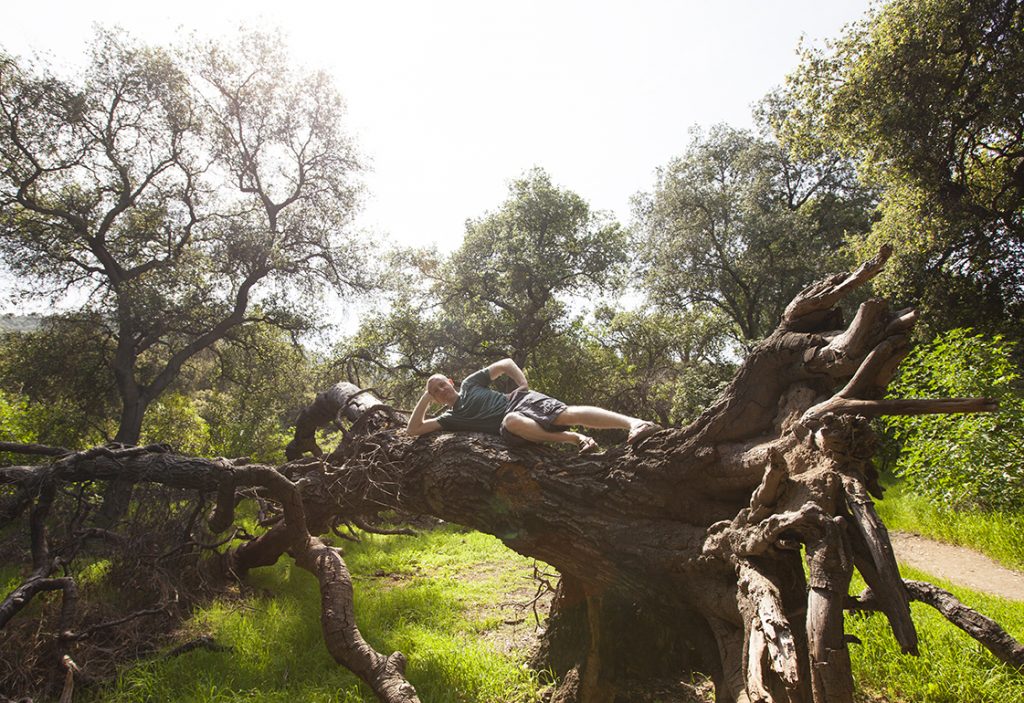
521, 416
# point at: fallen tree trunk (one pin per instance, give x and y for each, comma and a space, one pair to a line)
682, 553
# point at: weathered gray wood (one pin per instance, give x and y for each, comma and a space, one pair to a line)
830, 565
769, 634
885, 577
823, 295
340, 401
985, 630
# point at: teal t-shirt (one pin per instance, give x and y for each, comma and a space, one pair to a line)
478, 409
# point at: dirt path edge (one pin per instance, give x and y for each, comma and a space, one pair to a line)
960, 565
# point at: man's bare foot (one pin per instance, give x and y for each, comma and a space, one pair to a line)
587, 444
642, 430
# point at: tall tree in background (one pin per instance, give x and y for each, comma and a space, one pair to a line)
238, 397
736, 223
187, 197
928, 96
516, 266
662, 364
504, 293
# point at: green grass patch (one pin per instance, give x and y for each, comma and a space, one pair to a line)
95, 572
433, 598
996, 533
10, 578
952, 668
421, 596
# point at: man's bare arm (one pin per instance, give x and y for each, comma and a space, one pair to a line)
508, 368
417, 424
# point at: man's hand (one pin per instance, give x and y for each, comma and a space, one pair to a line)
511, 369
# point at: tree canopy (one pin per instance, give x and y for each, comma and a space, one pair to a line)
507, 291
740, 225
927, 97
183, 193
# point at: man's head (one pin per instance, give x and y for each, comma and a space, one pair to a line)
442, 389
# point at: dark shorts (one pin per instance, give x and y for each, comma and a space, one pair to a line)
542, 409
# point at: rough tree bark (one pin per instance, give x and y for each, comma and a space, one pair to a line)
683, 553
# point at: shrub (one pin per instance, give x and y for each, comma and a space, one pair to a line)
973, 460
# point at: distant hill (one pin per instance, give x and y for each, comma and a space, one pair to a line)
20, 323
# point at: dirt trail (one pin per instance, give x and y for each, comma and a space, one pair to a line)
960, 565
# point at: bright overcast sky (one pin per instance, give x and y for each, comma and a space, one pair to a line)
450, 100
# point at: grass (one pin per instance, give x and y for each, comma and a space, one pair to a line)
422, 596
433, 598
997, 534
952, 668
10, 578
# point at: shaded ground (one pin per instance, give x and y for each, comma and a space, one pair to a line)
522, 618
960, 565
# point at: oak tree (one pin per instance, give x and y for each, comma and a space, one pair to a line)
739, 224
927, 97
179, 194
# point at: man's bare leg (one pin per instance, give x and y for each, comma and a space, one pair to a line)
600, 419
522, 426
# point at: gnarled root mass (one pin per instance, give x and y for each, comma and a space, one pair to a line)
683, 553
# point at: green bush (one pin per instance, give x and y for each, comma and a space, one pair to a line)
13, 413
174, 418
973, 460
